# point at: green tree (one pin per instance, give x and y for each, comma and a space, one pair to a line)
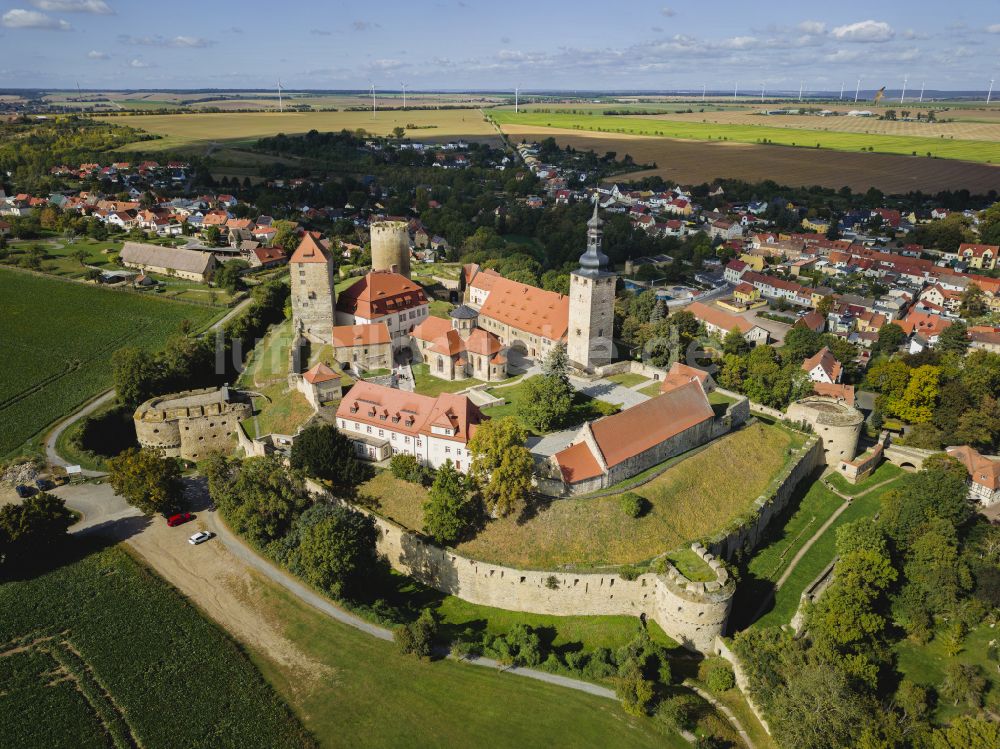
450, 509
966, 732
965, 683
974, 302
32, 529
916, 404
735, 344
633, 689
933, 566
135, 374
954, 339
548, 401
80, 255
229, 275
147, 481
212, 236
285, 235
890, 338
556, 363
501, 465
259, 498
337, 553
417, 637
407, 468
323, 451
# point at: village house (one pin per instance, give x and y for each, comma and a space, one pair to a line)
382, 422
320, 385
984, 474
362, 347
980, 256
823, 367
718, 322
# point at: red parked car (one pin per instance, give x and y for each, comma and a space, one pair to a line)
179, 519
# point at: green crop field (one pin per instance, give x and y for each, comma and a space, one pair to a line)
101, 652
966, 150
56, 343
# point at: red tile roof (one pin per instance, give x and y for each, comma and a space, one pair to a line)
718, 318
682, 374
577, 463
309, 251
361, 335
835, 391
380, 293
824, 358
528, 308
377, 405
320, 373
982, 470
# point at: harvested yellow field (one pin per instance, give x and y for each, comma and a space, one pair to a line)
194, 131
693, 162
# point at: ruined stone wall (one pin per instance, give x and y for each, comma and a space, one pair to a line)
189, 433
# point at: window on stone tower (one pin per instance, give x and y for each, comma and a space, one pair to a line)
600, 332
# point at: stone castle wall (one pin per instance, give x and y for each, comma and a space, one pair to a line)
748, 533
692, 613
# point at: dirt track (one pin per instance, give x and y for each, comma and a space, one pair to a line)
694, 162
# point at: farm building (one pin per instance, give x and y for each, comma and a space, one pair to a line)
190, 265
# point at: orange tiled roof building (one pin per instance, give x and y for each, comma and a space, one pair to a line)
459, 348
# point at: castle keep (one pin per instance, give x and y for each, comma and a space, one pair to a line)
314, 298
391, 247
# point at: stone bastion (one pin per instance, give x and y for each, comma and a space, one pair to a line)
693, 613
835, 422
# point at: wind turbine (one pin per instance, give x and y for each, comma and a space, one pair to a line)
902, 96
703, 88
373, 100
857, 91
921, 93
404, 93
989, 93
762, 93
736, 90
800, 91
516, 92
841, 91
281, 106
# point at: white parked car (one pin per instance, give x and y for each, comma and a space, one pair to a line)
200, 537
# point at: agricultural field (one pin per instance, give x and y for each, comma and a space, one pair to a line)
974, 131
689, 162
210, 130
981, 151
699, 494
102, 652
53, 357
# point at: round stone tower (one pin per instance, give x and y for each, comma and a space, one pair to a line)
836, 422
391, 247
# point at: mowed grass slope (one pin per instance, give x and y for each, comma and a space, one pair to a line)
180, 131
966, 150
379, 698
172, 678
56, 342
698, 495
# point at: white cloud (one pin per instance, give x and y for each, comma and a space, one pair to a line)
18, 18
97, 55
386, 65
98, 7
187, 42
812, 27
669, 12
864, 31
364, 25
135, 62
740, 42
994, 29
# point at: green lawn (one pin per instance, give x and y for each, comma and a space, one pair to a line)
57, 338
379, 698
820, 554
427, 384
884, 472
111, 624
584, 408
441, 308
967, 150
628, 379
652, 389
282, 411
692, 566
926, 664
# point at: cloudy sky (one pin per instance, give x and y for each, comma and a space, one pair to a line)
456, 44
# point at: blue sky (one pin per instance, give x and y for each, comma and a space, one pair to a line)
458, 44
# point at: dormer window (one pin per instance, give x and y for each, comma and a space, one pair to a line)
354, 408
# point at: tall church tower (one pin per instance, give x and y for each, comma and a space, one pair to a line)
591, 303
314, 298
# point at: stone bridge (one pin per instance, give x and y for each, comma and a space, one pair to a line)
910, 458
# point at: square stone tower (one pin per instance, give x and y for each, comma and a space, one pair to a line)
591, 304
314, 298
